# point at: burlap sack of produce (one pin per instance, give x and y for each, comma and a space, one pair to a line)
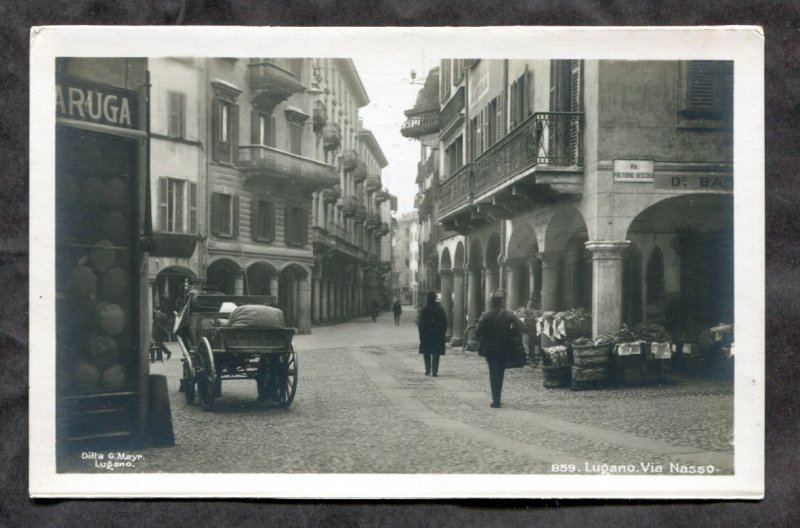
114, 227
93, 191
83, 283
111, 318
256, 315
86, 377
113, 377
104, 351
101, 257
114, 285
114, 194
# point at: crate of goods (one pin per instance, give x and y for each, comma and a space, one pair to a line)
591, 367
556, 367
658, 359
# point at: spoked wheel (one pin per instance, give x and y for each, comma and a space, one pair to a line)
284, 375
206, 375
188, 384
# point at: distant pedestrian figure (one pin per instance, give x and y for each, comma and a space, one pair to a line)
160, 334
432, 326
376, 310
397, 310
497, 332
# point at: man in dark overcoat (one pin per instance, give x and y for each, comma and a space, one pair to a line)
432, 327
497, 329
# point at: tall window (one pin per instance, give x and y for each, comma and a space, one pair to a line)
473, 139
521, 99
295, 138
454, 155
262, 129
491, 135
263, 217
707, 89
177, 201
225, 126
296, 225
225, 214
177, 114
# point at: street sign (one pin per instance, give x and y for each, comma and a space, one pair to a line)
637, 171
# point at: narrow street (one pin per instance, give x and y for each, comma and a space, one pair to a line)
363, 405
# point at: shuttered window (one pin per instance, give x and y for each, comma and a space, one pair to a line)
501, 122
296, 225
491, 124
262, 129
295, 138
176, 108
708, 89
263, 220
473, 139
225, 127
224, 215
479, 143
192, 207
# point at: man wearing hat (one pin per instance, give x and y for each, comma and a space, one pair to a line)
496, 332
432, 327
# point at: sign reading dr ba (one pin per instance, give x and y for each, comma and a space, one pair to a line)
96, 103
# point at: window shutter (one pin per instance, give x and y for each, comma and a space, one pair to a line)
270, 212
234, 132
216, 213
287, 225
271, 139
701, 86
216, 150
725, 87
180, 202
304, 224
528, 92
235, 221
513, 105
192, 207
479, 134
255, 128
255, 219
553, 85
162, 204
576, 91
500, 121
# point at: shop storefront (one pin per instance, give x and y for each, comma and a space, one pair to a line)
101, 319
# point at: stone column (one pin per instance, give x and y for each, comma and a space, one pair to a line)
551, 287
458, 307
304, 305
474, 288
607, 263
490, 286
323, 301
238, 284
447, 299
512, 284
532, 263
273, 287
331, 314
316, 315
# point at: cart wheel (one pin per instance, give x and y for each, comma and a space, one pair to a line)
206, 376
187, 383
286, 377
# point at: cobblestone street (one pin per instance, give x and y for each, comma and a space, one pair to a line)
363, 405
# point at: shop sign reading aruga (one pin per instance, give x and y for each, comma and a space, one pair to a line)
97, 103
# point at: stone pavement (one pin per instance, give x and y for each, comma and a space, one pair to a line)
363, 405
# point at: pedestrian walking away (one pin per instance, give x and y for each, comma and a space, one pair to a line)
397, 310
497, 333
160, 334
432, 326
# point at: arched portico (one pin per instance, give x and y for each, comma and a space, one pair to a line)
294, 296
225, 275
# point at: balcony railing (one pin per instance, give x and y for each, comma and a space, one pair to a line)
349, 160
421, 124
547, 139
268, 161
456, 190
271, 84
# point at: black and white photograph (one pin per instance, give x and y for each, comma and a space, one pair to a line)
397, 263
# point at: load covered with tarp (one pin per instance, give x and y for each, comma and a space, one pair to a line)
256, 316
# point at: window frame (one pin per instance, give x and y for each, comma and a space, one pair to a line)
224, 222
720, 111
291, 229
168, 209
176, 111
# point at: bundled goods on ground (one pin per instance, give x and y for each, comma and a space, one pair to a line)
529, 317
591, 362
557, 356
638, 353
557, 326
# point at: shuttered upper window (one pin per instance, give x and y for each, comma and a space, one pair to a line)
177, 200
707, 89
224, 214
296, 225
263, 220
177, 115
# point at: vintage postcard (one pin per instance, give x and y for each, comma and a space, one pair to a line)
508, 262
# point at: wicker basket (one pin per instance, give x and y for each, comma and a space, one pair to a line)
556, 377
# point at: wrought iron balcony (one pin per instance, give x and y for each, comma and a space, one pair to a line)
373, 221
330, 195
262, 161
349, 206
331, 136
271, 84
360, 213
452, 110
548, 145
373, 183
319, 116
420, 123
349, 160
360, 174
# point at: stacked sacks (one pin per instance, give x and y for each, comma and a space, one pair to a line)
556, 367
591, 362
